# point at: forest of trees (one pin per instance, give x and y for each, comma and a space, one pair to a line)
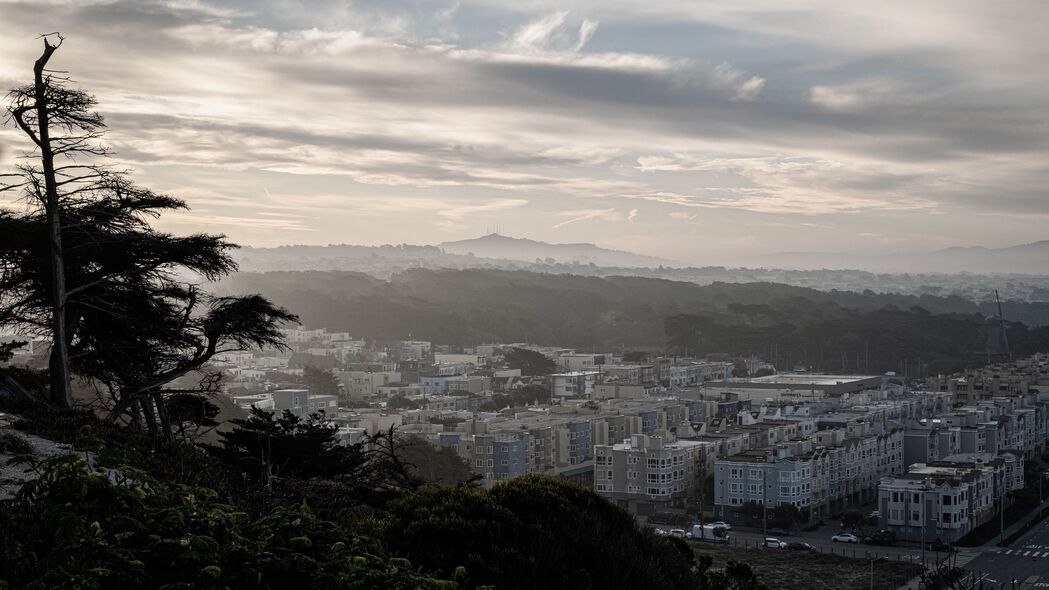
826, 331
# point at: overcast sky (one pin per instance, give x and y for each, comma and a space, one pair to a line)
690, 129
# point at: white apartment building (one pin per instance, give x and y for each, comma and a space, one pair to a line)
644, 473
576, 384
947, 499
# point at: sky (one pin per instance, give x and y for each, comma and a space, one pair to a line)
699, 131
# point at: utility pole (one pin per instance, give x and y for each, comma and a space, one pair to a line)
1001, 519
724, 497
764, 504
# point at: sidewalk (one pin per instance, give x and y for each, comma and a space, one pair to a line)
1019, 525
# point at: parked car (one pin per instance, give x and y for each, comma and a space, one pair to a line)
677, 533
705, 531
882, 537
723, 538
940, 546
845, 538
721, 524
774, 543
799, 546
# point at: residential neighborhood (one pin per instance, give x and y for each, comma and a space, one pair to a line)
662, 436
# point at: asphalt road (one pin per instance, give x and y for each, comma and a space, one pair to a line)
858, 550
1025, 560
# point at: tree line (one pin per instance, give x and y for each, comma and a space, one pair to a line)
827, 331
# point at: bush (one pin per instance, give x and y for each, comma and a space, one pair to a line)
76, 527
13, 443
533, 532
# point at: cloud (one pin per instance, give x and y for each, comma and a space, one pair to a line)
463, 211
743, 89
369, 110
586, 215
804, 185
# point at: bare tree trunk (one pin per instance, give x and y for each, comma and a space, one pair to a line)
162, 415
61, 390
136, 417
150, 413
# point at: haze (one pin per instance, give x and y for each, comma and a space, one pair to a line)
693, 131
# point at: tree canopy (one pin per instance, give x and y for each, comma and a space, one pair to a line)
529, 362
111, 294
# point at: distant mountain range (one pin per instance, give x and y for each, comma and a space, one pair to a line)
524, 250
498, 251
1023, 259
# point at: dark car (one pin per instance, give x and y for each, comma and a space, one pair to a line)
881, 538
940, 547
799, 546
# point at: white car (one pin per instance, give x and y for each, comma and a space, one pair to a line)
722, 525
775, 543
677, 533
845, 538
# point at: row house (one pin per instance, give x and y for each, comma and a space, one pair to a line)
576, 384
496, 457
645, 474
947, 499
824, 474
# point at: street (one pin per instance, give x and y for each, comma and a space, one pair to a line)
822, 543
1027, 557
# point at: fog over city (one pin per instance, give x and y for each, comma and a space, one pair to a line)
699, 132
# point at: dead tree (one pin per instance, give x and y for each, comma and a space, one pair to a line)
63, 128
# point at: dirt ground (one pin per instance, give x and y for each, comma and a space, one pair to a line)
803, 570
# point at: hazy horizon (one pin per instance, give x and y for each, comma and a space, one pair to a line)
690, 131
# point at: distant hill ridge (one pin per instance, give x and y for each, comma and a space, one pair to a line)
1032, 258
499, 251
523, 249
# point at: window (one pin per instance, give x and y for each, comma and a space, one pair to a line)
735, 488
755, 474
735, 473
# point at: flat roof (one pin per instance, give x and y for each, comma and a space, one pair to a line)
808, 379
